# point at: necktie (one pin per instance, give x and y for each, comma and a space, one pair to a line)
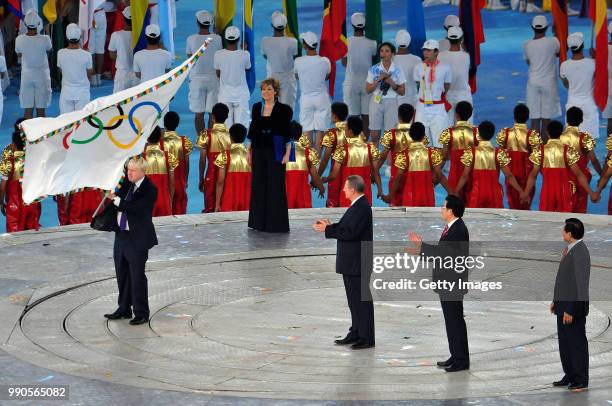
123, 219
444, 232
565, 251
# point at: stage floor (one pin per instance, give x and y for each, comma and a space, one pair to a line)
241, 316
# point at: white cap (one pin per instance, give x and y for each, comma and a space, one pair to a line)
31, 19
152, 31
454, 33
431, 44
402, 39
610, 28
232, 33
310, 38
279, 21
358, 20
451, 20
73, 32
539, 22
204, 17
575, 40
127, 12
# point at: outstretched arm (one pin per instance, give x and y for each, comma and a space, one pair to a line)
511, 179
463, 179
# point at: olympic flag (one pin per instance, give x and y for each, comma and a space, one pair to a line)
88, 148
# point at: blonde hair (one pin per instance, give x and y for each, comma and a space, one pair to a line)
139, 163
271, 82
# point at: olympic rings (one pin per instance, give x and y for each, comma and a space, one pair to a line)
146, 103
92, 118
119, 145
96, 135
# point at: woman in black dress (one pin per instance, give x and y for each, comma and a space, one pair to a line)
270, 147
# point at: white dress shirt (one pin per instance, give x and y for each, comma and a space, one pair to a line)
117, 201
571, 245
357, 198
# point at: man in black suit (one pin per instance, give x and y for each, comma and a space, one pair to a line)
354, 261
454, 242
134, 236
571, 306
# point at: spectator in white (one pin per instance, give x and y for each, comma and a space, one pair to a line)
541, 55
313, 71
577, 75
231, 65
496, 5
280, 52
152, 61
3, 72
459, 62
607, 113
433, 80
120, 50
203, 80
76, 67
358, 60
32, 48
450, 20
406, 62
385, 81
96, 43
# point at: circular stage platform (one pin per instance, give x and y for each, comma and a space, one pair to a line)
238, 315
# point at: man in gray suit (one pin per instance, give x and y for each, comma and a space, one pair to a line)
571, 306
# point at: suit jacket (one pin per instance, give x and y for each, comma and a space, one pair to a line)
456, 243
139, 213
354, 227
571, 294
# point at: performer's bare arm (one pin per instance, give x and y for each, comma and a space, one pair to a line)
220, 185
511, 179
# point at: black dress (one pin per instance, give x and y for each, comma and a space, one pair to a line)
269, 209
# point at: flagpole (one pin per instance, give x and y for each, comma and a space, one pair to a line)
243, 23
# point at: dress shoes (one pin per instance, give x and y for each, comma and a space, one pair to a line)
346, 340
456, 368
361, 345
445, 364
138, 320
118, 315
577, 387
563, 382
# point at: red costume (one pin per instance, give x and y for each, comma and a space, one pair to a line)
160, 164
334, 138
297, 175
356, 158
237, 187
180, 147
609, 165
519, 142
82, 205
485, 161
416, 163
456, 140
19, 216
582, 143
554, 160
215, 141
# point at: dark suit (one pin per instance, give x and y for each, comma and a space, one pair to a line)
131, 248
354, 228
571, 296
454, 243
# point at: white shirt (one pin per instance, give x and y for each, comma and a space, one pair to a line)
204, 66
33, 50
357, 198
444, 44
359, 58
2, 69
74, 64
152, 63
117, 201
279, 51
572, 245
233, 86
453, 221
542, 56
459, 62
431, 92
406, 63
121, 43
397, 75
579, 74
312, 71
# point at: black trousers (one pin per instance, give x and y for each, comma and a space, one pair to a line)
269, 210
362, 312
574, 349
131, 278
456, 332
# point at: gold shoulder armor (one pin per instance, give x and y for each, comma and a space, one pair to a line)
609, 143
374, 151
503, 159
387, 139
172, 161
588, 143
572, 156
467, 158
328, 140
313, 157
188, 146
339, 155
436, 157
221, 159
202, 141
534, 139
400, 161
445, 137
501, 137
536, 157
